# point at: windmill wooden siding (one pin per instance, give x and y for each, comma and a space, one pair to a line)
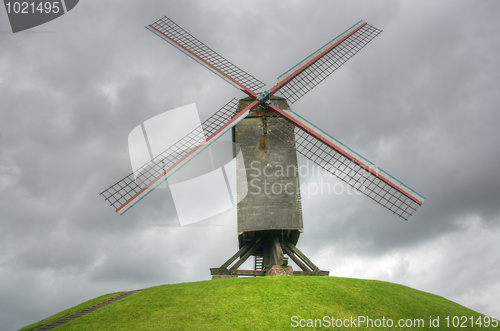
273, 199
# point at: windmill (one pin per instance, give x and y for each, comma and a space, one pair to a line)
269, 134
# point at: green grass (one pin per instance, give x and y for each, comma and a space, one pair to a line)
268, 303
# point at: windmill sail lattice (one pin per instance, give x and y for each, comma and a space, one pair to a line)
352, 168
168, 30
311, 71
129, 190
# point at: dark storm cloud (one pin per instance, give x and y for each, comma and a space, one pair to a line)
420, 101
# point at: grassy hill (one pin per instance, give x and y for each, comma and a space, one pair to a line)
276, 303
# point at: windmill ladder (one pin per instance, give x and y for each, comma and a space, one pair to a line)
85, 311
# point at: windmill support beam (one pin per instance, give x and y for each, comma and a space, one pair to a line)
247, 254
273, 252
235, 256
273, 247
243, 253
307, 266
296, 260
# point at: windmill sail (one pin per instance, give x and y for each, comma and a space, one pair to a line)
315, 144
349, 166
131, 189
168, 30
311, 71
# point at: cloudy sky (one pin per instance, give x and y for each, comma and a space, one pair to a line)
420, 101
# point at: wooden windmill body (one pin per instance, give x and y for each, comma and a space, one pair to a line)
270, 216
270, 135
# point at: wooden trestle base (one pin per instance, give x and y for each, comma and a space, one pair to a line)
270, 260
